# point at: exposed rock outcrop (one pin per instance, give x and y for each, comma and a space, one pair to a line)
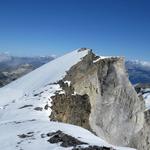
66, 141
70, 108
102, 95
141, 140
140, 88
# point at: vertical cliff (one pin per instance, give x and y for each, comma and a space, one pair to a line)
115, 112
141, 140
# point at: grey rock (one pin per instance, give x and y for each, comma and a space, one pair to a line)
116, 112
65, 139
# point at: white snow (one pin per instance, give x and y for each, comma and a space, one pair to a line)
145, 92
68, 82
104, 57
146, 97
147, 100
48, 73
18, 115
101, 57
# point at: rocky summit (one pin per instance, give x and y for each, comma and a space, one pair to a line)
79, 101
115, 113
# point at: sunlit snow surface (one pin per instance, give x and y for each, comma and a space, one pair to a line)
146, 97
18, 113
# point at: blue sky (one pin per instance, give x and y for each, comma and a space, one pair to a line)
45, 27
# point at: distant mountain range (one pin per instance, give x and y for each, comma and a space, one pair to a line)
12, 67
139, 71
11, 62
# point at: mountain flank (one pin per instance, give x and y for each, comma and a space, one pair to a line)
77, 89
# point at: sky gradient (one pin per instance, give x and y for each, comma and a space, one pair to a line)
45, 27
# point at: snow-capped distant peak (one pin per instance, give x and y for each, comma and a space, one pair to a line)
54, 56
4, 57
139, 62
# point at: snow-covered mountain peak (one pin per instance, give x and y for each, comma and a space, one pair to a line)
46, 74
25, 107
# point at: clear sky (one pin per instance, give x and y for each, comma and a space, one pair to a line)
45, 27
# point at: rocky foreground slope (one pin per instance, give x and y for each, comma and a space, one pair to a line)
80, 89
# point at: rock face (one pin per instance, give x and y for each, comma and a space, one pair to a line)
144, 134
72, 109
101, 98
141, 140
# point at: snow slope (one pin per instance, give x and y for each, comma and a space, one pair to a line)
48, 73
25, 107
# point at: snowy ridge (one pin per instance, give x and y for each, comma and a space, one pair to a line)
48, 73
25, 107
